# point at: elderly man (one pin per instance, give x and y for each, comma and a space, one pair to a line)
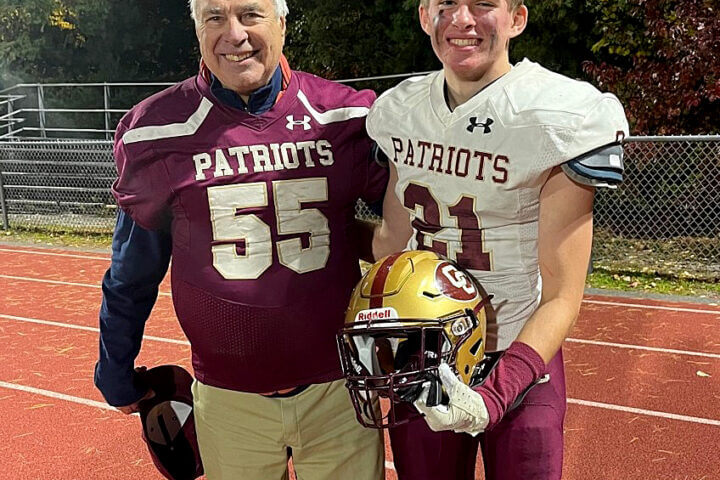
248, 175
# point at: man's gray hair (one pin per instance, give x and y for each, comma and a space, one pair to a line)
281, 8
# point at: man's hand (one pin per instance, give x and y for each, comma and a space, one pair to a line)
465, 412
134, 407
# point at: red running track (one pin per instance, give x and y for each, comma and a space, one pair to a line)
644, 395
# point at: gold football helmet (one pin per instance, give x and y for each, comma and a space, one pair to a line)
409, 313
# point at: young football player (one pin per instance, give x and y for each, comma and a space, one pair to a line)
247, 175
494, 165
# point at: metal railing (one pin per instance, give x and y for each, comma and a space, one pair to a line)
664, 219
109, 100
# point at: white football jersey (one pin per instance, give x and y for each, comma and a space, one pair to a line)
471, 177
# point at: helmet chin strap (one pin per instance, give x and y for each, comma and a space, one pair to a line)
485, 368
436, 395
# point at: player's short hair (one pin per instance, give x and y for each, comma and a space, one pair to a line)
281, 8
512, 4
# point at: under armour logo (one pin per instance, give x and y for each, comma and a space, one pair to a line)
475, 124
305, 122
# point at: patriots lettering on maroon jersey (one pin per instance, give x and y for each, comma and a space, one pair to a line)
242, 159
261, 209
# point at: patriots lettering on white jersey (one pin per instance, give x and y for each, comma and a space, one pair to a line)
451, 160
225, 162
470, 178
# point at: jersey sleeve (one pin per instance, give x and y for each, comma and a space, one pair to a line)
604, 125
377, 121
374, 176
377, 179
595, 153
142, 188
602, 167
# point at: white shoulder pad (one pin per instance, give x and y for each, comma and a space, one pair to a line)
539, 89
392, 107
603, 124
397, 98
602, 167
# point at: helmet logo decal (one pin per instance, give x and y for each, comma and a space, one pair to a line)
454, 283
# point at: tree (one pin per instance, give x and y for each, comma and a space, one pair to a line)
559, 35
87, 40
662, 58
339, 39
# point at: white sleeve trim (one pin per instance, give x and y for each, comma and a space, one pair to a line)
332, 116
159, 132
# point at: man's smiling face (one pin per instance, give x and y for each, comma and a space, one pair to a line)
470, 37
240, 41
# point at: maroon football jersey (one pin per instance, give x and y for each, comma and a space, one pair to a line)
261, 210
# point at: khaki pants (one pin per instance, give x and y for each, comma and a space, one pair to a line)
245, 436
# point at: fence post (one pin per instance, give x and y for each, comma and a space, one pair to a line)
41, 109
10, 110
106, 100
3, 204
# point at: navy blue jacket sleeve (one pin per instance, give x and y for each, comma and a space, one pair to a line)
140, 261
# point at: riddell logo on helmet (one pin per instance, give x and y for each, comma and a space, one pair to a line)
376, 314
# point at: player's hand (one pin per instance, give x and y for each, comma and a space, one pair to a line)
134, 407
465, 411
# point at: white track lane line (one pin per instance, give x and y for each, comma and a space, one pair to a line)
69, 255
570, 340
58, 282
91, 403
592, 302
641, 411
652, 307
595, 302
59, 396
87, 329
641, 347
54, 282
573, 401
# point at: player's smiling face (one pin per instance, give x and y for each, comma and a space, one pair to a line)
471, 37
240, 41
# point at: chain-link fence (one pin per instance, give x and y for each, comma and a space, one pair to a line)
664, 219
57, 185
64, 185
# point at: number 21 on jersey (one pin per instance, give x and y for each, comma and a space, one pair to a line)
430, 222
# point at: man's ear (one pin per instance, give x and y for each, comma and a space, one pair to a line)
425, 22
520, 19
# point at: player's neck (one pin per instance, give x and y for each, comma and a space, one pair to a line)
461, 88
